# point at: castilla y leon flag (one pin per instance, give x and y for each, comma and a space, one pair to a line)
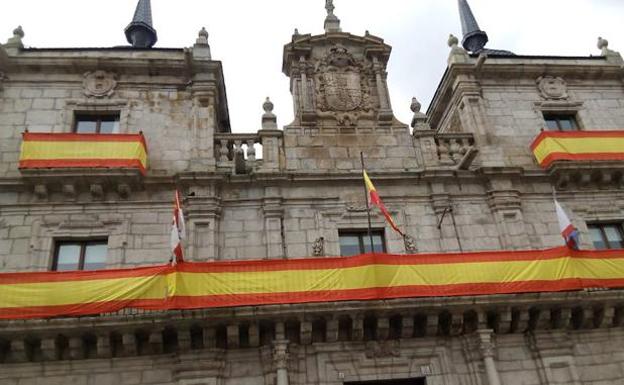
375, 200
178, 231
568, 231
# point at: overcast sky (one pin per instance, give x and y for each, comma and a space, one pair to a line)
248, 36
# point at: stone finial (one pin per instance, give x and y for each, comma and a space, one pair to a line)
269, 120
611, 55
419, 121
332, 23
602, 43
16, 40
452, 41
202, 37
296, 32
18, 31
457, 54
415, 106
201, 49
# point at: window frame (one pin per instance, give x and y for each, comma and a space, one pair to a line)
362, 234
601, 226
99, 115
83, 243
558, 118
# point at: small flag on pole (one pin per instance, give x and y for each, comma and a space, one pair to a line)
178, 231
375, 200
568, 231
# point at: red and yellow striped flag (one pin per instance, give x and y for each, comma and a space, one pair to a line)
376, 200
65, 150
551, 146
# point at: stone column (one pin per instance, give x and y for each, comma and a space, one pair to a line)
280, 357
486, 346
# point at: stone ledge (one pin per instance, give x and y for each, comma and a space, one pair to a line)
138, 333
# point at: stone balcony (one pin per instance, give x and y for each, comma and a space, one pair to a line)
69, 163
581, 159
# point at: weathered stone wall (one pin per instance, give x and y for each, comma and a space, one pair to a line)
383, 149
177, 118
250, 226
505, 108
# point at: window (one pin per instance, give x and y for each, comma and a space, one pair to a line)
607, 235
555, 122
106, 123
80, 255
358, 242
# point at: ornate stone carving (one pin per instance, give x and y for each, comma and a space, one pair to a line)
410, 244
342, 88
318, 248
382, 349
16, 40
356, 207
99, 83
280, 354
552, 87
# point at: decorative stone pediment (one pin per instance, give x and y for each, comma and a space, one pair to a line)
554, 88
99, 83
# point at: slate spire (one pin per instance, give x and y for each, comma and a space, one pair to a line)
140, 32
474, 39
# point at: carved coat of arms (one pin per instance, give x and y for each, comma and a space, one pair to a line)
343, 91
99, 83
341, 85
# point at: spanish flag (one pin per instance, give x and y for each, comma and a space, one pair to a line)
375, 200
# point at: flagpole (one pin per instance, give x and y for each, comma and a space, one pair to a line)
370, 233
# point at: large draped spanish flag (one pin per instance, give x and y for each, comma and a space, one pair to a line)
364, 277
551, 146
65, 150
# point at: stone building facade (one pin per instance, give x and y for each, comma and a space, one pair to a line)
462, 178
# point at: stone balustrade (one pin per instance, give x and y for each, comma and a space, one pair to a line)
453, 147
238, 152
373, 323
445, 150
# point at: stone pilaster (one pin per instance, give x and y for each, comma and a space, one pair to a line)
506, 206
204, 215
204, 125
273, 223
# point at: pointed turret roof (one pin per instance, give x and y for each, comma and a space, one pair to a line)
474, 39
140, 32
